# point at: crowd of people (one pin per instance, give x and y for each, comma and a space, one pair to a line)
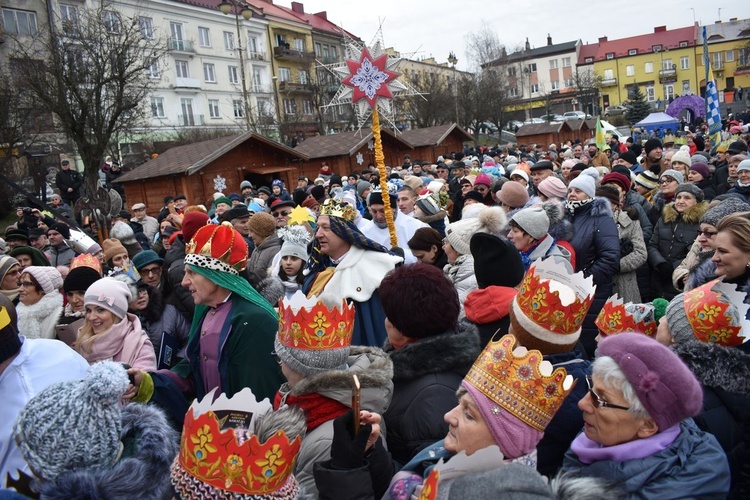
553, 321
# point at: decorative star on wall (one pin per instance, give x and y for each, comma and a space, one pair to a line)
220, 183
360, 159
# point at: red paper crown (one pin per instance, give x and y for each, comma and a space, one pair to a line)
310, 324
220, 248
216, 457
520, 381
615, 318
342, 210
716, 312
86, 260
430, 486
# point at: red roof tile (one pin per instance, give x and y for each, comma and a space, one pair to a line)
668, 39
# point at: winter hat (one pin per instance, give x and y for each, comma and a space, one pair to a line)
38, 258
729, 206
61, 228
319, 192
111, 294
335, 180
691, 189
14, 234
542, 165
10, 342
80, 279
309, 346
191, 222
146, 257
682, 156
279, 203
6, 262
532, 220
629, 157
504, 383
427, 205
296, 239
483, 179
474, 195
420, 301
3, 246
414, 182
699, 158
586, 182
48, 277
552, 187
666, 388
569, 163
651, 144
362, 186
701, 168
262, 224
674, 174
647, 179
513, 194
124, 233
265, 190
223, 199
744, 165
74, 425
610, 193
617, 178
496, 261
520, 173
112, 247
737, 148
459, 233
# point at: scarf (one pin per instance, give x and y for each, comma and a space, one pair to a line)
452, 269
318, 408
526, 256
589, 451
572, 206
348, 232
236, 284
11, 294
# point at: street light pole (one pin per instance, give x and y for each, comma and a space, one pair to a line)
226, 7
453, 60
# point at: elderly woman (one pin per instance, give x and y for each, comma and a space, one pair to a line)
673, 235
669, 181
40, 302
528, 230
637, 425
742, 186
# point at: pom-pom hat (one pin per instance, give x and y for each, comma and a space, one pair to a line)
491, 220
220, 248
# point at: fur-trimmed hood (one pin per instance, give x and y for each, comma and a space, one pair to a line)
692, 216
440, 353
717, 366
372, 366
560, 227
150, 446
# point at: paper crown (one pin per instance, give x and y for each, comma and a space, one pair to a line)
617, 317
86, 260
220, 248
217, 449
520, 381
4, 318
342, 210
553, 300
311, 325
717, 312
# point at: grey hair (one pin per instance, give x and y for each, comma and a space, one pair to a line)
290, 419
612, 376
461, 391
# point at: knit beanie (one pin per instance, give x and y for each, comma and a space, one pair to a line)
513, 194
691, 189
6, 262
729, 206
61, 228
110, 294
112, 247
414, 182
617, 178
674, 174
10, 342
744, 165
532, 220
701, 168
629, 157
651, 144
569, 163
124, 233
223, 199
48, 277
362, 186
497, 262
666, 388
682, 156
427, 205
80, 279
191, 222
647, 179
74, 425
491, 220
586, 182
553, 187
262, 224
483, 179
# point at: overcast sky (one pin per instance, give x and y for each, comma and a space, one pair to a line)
436, 27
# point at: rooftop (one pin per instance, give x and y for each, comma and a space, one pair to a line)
660, 40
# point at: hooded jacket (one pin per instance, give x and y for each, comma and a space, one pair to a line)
38, 321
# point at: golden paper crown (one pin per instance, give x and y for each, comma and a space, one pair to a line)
554, 298
520, 381
716, 312
340, 209
86, 260
615, 318
212, 452
310, 324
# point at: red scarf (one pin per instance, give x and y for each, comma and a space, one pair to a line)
318, 409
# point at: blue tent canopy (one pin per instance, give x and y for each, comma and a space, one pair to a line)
659, 122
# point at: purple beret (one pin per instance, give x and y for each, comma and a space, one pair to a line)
702, 169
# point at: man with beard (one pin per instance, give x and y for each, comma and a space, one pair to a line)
377, 229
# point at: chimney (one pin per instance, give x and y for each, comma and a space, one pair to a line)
602, 39
660, 29
298, 7
323, 15
528, 47
549, 39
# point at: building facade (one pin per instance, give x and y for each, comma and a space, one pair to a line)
729, 56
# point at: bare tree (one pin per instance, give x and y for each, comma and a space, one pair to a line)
587, 84
482, 48
93, 75
434, 105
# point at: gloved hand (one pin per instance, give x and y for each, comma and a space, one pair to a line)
348, 451
665, 269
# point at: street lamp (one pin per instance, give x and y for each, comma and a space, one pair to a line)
453, 60
240, 9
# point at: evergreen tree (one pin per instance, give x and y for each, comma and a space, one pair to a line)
637, 107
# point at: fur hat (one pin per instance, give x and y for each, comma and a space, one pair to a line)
262, 224
112, 247
48, 277
682, 156
691, 189
666, 388
647, 179
730, 205
111, 294
532, 220
497, 262
492, 220
586, 182
553, 187
123, 232
513, 194
74, 425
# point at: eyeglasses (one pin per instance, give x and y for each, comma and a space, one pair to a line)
282, 214
599, 402
27, 284
152, 271
667, 180
708, 234
482, 189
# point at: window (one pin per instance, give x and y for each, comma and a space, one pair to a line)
666, 64
610, 55
569, 83
19, 22
307, 107
318, 50
633, 52
648, 67
334, 54
285, 75
729, 56
228, 40
566, 62
181, 68
209, 73
146, 25
252, 44
650, 94
204, 35
512, 71
532, 68
656, 48
188, 118
534, 87
280, 40
290, 107
684, 62
299, 44
157, 107
69, 16
588, 60
668, 92
630, 70
716, 60
111, 21
177, 42
152, 69
213, 108
257, 79
553, 64
683, 44
264, 107
513, 92
609, 74
303, 77
234, 76
326, 53
556, 85
238, 108
744, 59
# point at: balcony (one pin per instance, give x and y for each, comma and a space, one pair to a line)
181, 46
257, 56
287, 53
609, 82
187, 83
292, 86
191, 120
261, 89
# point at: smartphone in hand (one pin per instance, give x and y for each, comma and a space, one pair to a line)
356, 402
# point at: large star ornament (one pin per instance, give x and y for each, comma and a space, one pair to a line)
369, 78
